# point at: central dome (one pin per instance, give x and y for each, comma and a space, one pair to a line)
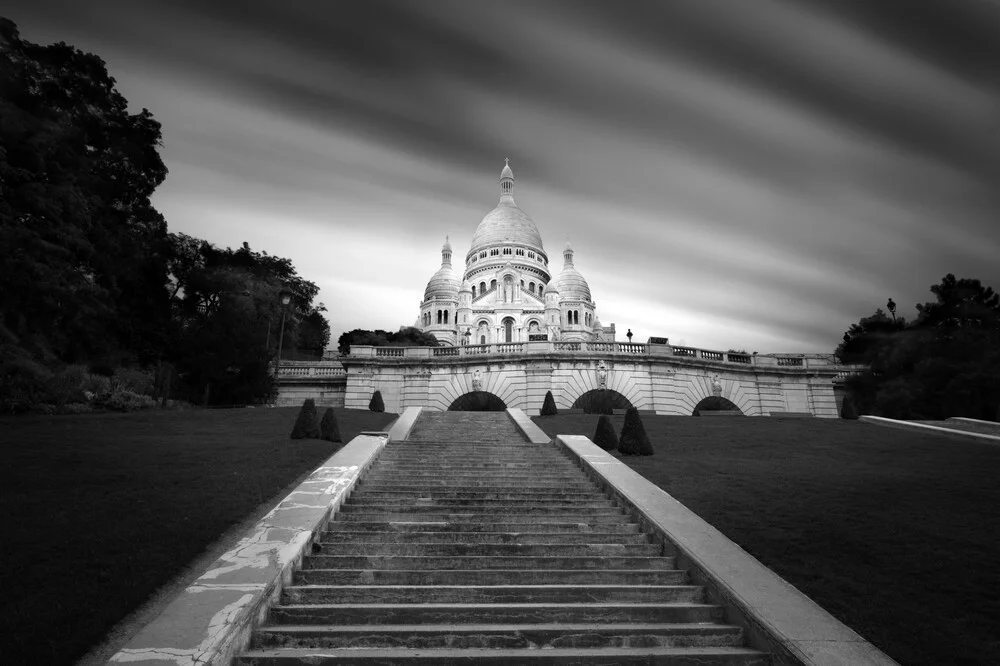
506, 223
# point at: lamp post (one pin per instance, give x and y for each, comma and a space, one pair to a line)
285, 296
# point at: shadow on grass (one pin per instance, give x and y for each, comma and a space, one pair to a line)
99, 510
897, 534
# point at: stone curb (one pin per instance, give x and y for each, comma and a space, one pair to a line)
929, 429
400, 429
777, 616
211, 620
963, 419
527, 427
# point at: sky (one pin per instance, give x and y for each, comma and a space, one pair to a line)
732, 174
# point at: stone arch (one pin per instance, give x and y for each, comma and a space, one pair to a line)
714, 403
601, 401
477, 401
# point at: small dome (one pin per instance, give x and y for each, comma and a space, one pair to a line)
466, 287
572, 285
445, 283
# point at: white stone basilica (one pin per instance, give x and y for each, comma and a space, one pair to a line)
506, 293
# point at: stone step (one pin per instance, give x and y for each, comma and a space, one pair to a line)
494, 549
460, 472
489, 594
663, 656
489, 577
504, 509
368, 537
460, 614
541, 495
534, 636
484, 526
592, 562
474, 486
410, 465
468, 516
420, 502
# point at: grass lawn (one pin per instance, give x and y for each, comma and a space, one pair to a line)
896, 534
99, 510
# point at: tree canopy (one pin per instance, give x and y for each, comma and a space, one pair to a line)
91, 273
944, 363
408, 336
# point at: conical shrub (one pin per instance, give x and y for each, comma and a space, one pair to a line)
848, 410
376, 404
307, 423
549, 405
605, 435
634, 441
328, 427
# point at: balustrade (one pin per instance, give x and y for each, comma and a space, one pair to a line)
510, 347
568, 346
390, 351
784, 360
738, 358
476, 350
601, 346
445, 351
685, 351
711, 355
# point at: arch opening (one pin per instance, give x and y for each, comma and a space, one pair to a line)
716, 403
478, 401
601, 401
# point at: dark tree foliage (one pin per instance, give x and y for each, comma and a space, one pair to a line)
549, 405
307, 423
329, 429
82, 271
634, 441
847, 410
376, 404
408, 336
945, 363
314, 332
605, 435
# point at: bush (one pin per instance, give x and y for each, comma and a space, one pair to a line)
605, 435
848, 410
23, 385
45, 408
136, 381
75, 408
634, 441
129, 401
549, 405
96, 387
66, 386
376, 404
328, 427
307, 423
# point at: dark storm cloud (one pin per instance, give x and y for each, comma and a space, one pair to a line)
781, 167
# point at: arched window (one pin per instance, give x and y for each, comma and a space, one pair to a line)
439, 316
493, 285
508, 330
576, 316
473, 291
539, 290
482, 339
446, 316
531, 287
482, 288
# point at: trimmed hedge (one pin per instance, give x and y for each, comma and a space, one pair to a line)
634, 441
605, 435
549, 405
376, 404
306, 424
328, 427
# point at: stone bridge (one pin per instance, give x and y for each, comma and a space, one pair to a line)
666, 379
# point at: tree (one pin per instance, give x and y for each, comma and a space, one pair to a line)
307, 423
605, 435
945, 363
82, 273
314, 332
376, 404
634, 441
408, 336
549, 405
847, 410
329, 429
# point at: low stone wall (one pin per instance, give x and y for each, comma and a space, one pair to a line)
211, 620
778, 618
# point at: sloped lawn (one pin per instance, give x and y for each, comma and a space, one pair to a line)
896, 534
99, 510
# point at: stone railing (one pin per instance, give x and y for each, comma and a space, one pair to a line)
612, 348
306, 369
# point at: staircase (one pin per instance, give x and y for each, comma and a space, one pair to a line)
467, 545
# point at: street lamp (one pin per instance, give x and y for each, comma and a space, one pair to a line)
285, 296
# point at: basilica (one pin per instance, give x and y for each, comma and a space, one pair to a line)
506, 291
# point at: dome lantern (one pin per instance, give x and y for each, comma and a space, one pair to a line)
507, 182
